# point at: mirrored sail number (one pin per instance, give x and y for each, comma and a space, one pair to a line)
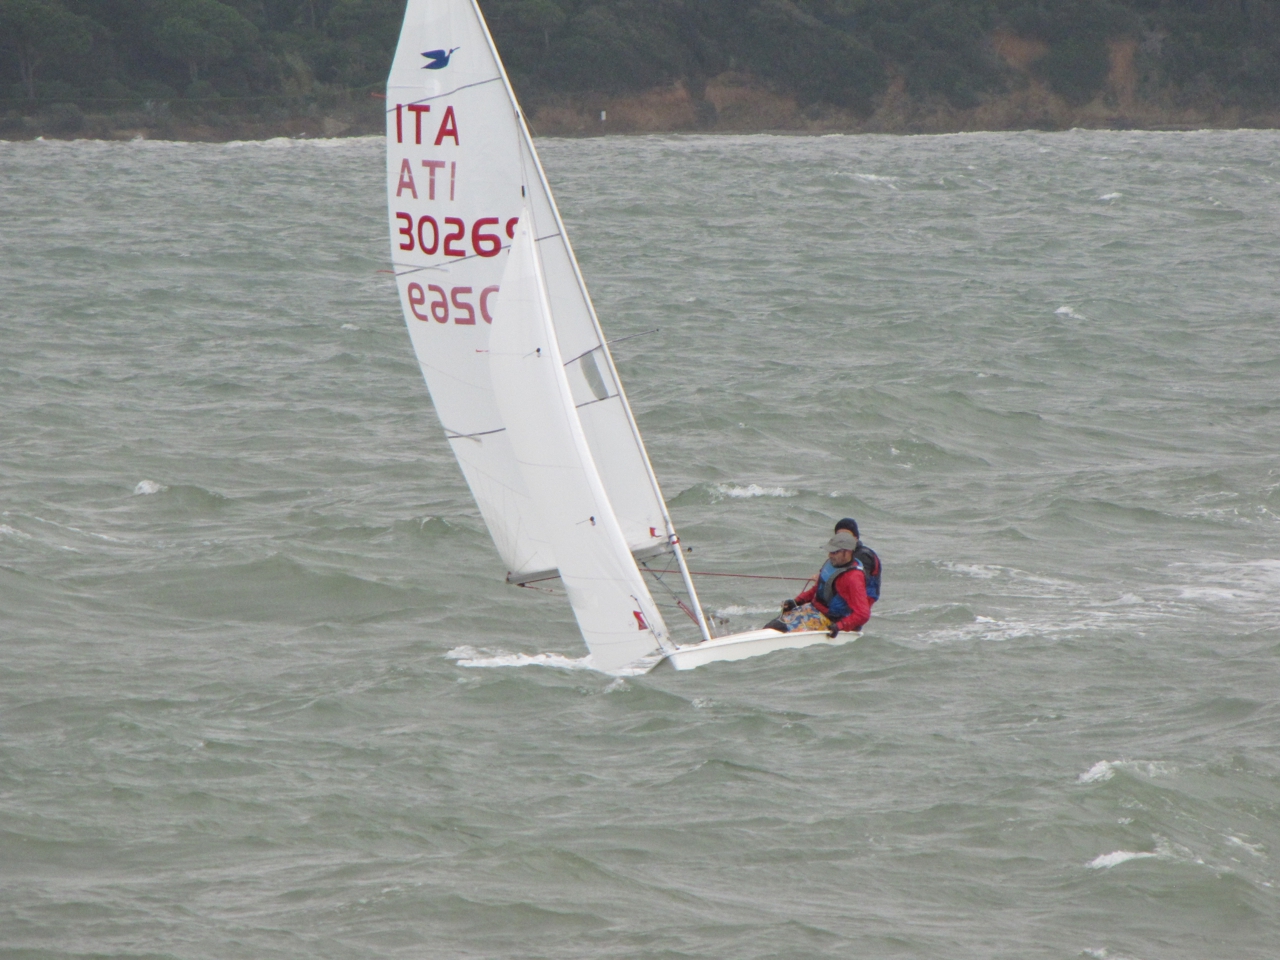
432, 236
439, 309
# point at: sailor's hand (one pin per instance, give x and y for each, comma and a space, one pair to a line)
788, 606
833, 631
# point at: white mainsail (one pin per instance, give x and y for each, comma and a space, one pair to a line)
615, 612
461, 173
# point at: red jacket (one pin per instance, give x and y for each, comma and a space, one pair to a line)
851, 585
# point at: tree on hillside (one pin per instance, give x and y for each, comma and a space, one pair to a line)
1076, 32
782, 41
202, 32
365, 32
542, 16
839, 52
38, 30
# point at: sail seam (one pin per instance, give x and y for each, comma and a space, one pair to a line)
454, 435
441, 96
611, 342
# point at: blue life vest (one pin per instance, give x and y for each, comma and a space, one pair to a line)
837, 607
870, 569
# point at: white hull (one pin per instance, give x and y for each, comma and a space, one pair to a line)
753, 643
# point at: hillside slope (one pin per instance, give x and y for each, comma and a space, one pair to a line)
655, 64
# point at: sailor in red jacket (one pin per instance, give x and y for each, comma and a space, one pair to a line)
838, 601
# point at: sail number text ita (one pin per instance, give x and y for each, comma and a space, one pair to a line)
451, 236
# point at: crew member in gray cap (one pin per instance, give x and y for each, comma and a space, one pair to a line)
839, 599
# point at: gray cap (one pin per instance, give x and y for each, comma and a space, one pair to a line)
843, 540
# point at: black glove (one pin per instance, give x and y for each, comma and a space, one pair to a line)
833, 631
788, 606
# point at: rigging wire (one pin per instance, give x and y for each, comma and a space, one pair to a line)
657, 575
693, 573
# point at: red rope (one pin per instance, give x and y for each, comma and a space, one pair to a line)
695, 573
688, 613
747, 576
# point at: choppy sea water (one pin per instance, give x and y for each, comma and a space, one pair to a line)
264, 693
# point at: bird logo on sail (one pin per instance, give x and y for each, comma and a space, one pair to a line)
438, 59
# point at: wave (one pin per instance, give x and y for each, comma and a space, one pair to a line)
890, 182
275, 589
735, 492
1248, 583
1104, 770
704, 493
293, 143
183, 499
1114, 859
1163, 851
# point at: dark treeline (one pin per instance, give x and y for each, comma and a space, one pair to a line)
841, 52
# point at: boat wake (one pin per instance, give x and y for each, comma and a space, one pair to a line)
479, 659
467, 656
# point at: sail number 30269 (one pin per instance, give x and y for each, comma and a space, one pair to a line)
458, 298
429, 236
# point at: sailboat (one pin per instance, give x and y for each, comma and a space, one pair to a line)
514, 356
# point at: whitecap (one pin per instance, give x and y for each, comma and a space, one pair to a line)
1117, 857
991, 629
890, 182
1209, 593
752, 490
1098, 773
1104, 770
1111, 196
147, 487
350, 326
1254, 848
291, 143
1245, 584
8, 531
1069, 314
980, 571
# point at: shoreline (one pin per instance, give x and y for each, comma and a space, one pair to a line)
728, 104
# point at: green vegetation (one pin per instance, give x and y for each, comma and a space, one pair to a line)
840, 52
